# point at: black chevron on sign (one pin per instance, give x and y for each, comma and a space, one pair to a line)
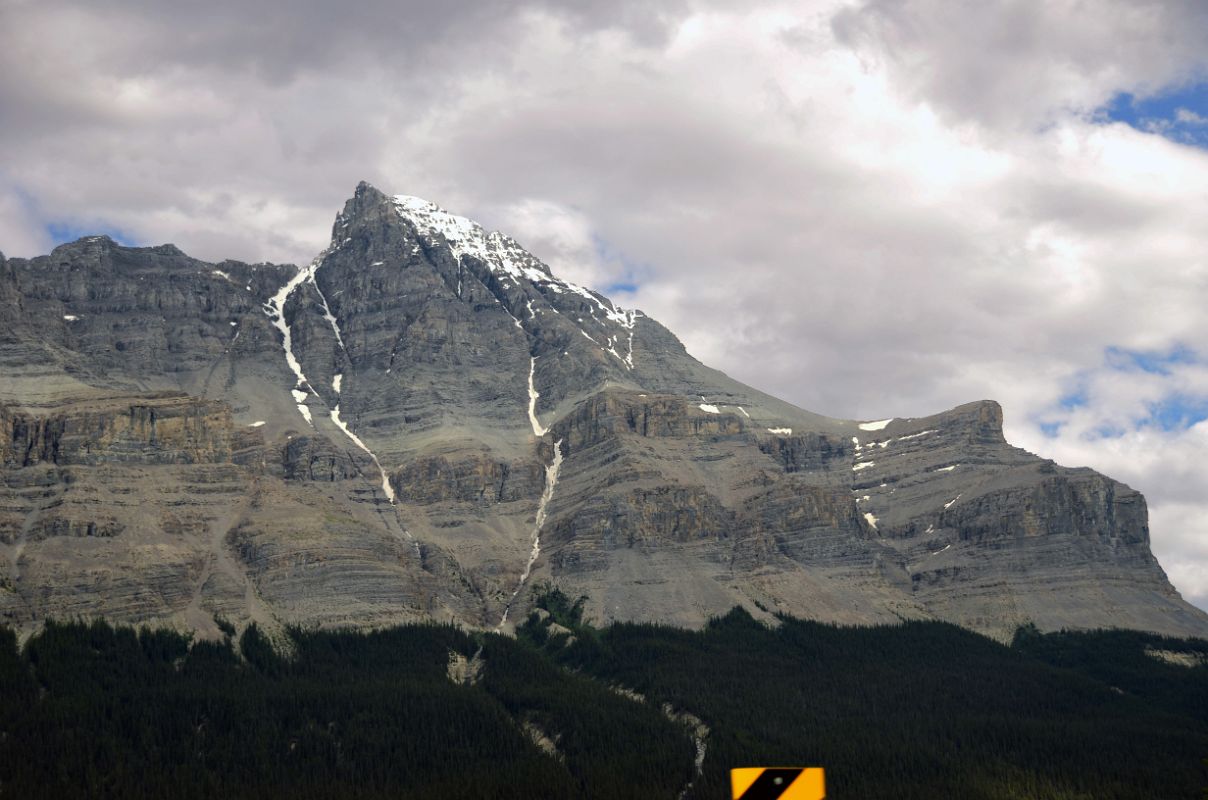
771, 784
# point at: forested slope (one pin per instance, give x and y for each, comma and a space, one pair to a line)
920, 710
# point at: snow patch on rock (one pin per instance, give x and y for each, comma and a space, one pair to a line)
506, 258
538, 429
387, 489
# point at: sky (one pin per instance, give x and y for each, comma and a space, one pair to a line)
870, 208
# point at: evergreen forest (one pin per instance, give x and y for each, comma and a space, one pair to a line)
567, 710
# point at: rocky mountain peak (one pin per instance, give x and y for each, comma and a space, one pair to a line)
424, 422
423, 262
464, 237
982, 421
95, 246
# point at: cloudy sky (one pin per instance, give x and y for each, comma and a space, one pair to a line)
868, 207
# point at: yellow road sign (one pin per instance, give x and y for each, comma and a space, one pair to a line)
778, 783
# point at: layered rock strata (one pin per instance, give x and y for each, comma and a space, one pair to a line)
425, 423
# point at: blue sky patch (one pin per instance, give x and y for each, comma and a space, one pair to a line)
1153, 361
1180, 114
625, 287
1177, 412
1075, 399
63, 232
1106, 431
631, 271
1051, 430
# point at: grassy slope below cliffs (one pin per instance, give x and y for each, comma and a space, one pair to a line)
911, 711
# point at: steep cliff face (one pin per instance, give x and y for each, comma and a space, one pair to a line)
425, 422
161, 508
147, 430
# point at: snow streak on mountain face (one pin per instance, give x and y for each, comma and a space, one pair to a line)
303, 390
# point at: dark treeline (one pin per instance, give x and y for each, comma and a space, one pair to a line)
921, 710
94, 711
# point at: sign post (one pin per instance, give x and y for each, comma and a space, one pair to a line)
778, 783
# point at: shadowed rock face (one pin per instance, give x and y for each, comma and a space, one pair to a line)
166, 453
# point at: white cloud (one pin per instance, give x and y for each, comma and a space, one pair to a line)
1019, 65
1189, 117
21, 232
564, 236
870, 209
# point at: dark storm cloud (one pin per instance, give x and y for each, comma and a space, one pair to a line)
278, 39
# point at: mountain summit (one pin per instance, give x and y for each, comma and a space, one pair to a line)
425, 423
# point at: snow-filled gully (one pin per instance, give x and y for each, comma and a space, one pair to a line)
551, 483
275, 308
387, 489
698, 762
538, 429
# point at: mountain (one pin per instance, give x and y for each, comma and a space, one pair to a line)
425, 423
